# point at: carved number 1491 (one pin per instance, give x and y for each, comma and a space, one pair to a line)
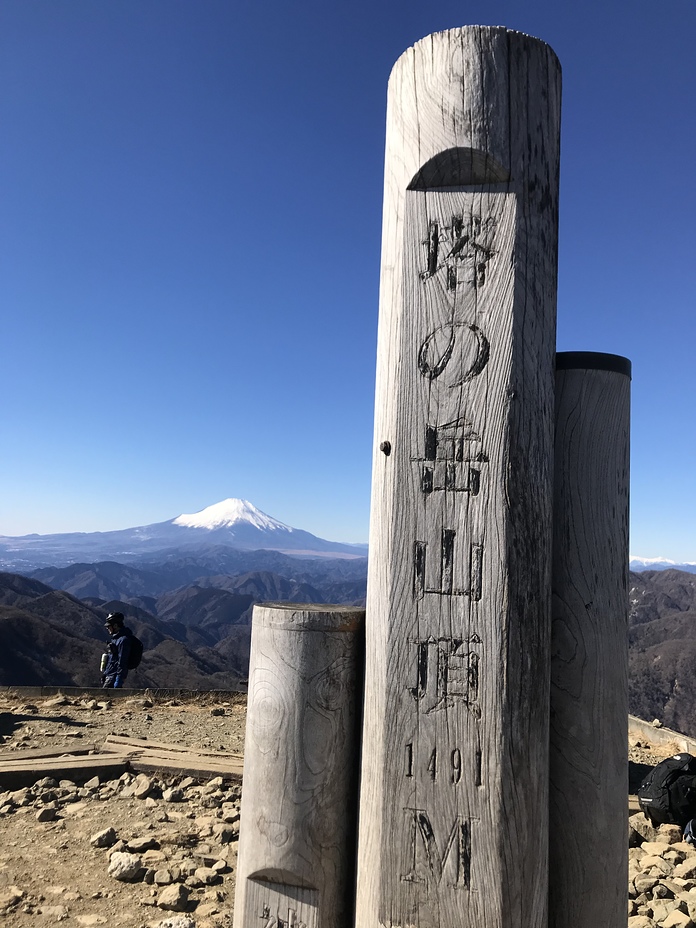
454, 767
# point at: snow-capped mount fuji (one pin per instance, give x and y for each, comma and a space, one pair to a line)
234, 523
228, 513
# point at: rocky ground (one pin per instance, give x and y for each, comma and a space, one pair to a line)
129, 853
661, 877
145, 851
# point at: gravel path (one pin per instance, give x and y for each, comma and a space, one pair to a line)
184, 832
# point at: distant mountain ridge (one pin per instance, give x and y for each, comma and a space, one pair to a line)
192, 610
233, 523
638, 564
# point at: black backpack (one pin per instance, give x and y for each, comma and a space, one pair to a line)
135, 655
667, 795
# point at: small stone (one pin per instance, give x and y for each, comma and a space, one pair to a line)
93, 783
188, 866
174, 898
58, 700
662, 908
225, 833
142, 786
105, 838
46, 783
655, 848
642, 825
644, 883
686, 870
230, 813
677, 919
217, 710
153, 856
163, 877
672, 834
640, 921
11, 896
47, 814
59, 912
656, 864
207, 875
140, 845
125, 867
662, 891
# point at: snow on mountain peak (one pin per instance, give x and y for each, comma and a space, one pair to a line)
228, 513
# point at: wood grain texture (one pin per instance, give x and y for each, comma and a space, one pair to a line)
299, 803
589, 682
455, 744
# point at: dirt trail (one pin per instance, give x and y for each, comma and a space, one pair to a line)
185, 837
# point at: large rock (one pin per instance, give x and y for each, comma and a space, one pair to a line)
178, 921
125, 867
105, 838
174, 898
640, 823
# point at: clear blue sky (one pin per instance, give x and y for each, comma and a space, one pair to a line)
189, 249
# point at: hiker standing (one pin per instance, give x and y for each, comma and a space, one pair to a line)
116, 669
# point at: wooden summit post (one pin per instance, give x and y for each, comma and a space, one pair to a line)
588, 870
454, 793
296, 860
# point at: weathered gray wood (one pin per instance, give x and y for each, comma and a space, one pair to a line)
123, 742
299, 801
454, 786
17, 773
146, 756
589, 665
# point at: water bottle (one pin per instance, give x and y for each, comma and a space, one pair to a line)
104, 661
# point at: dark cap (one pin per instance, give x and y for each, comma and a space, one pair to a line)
115, 618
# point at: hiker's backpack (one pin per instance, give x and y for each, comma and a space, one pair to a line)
135, 655
667, 795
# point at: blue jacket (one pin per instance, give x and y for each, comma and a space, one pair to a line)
119, 650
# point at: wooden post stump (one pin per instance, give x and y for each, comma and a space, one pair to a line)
454, 793
589, 665
299, 800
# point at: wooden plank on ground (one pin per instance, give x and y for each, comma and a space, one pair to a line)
190, 765
17, 773
58, 750
151, 756
116, 742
